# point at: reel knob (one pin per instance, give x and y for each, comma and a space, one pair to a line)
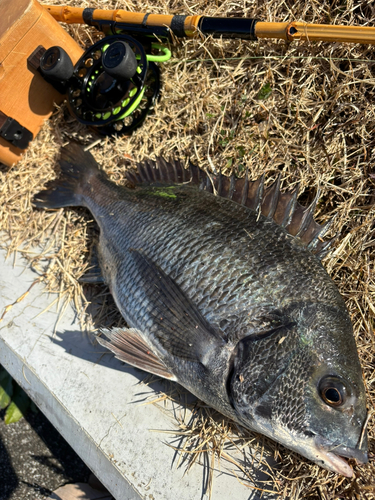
119, 61
56, 64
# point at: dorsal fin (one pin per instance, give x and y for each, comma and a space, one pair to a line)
283, 208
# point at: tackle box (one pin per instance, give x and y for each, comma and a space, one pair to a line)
26, 99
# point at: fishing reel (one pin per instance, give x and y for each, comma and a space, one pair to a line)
113, 86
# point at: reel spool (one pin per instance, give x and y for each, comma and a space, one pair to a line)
113, 86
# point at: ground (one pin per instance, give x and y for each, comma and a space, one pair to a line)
35, 459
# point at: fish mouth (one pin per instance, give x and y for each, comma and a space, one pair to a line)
333, 455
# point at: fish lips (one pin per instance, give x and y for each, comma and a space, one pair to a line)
316, 448
332, 455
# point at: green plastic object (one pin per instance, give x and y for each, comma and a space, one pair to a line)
164, 57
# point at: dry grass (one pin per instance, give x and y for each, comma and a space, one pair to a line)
316, 126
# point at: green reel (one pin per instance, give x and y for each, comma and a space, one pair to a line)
115, 84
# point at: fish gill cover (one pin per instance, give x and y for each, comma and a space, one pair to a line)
315, 127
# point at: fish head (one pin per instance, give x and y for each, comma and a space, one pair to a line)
302, 386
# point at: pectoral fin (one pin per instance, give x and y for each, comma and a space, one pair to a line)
179, 329
176, 330
128, 345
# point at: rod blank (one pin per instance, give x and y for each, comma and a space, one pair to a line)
231, 27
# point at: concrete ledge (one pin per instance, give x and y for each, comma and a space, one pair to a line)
94, 400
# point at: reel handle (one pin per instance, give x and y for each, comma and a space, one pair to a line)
119, 61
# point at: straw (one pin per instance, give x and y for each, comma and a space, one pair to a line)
306, 110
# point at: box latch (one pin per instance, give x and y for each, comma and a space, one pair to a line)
12, 131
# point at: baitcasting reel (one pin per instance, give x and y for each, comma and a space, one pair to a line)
113, 86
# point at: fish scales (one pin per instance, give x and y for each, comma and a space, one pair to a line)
224, 300
280, 268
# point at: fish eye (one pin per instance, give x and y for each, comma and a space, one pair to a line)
332, 391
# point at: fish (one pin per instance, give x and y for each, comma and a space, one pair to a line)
221, 285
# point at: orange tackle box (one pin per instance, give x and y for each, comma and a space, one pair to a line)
26, 99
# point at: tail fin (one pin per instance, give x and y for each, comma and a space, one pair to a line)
77, 166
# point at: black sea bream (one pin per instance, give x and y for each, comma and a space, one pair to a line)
226, 295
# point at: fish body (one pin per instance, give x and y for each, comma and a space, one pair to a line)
229, 299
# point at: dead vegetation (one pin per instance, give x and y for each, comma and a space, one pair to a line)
305, 109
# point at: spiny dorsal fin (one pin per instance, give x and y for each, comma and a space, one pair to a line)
283, 208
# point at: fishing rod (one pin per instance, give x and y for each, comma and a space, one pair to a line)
226, 27
116, 82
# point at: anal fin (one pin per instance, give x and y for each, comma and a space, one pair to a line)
128, 345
